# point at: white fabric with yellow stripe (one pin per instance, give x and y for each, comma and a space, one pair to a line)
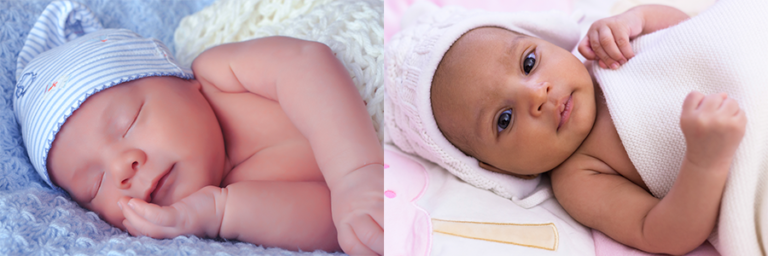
466, 220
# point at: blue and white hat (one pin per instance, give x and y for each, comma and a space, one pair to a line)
68, 57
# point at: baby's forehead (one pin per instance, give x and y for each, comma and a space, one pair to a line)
141, 86
488, 34
109, 103
473, 49
495, 29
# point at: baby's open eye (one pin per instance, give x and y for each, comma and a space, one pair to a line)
504, 119
529, 62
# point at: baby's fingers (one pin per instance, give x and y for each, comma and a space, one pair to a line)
163, 216
692, 101
370, 234
712, 102
586, 49
131, 230
730, 107
137, 225
594, 43
612, 55
351, 242
621, 37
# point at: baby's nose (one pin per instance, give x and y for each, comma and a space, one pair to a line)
125, 165
538, 96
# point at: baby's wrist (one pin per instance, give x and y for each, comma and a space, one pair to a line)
709, 164
342, 181
638, 15
219, 205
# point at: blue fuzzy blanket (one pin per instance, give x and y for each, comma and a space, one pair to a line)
35, 219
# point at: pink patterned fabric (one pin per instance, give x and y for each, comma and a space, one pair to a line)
408, 227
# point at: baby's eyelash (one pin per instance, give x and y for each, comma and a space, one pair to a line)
97, 186
134, 120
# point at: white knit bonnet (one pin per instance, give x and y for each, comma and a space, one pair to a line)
411, 58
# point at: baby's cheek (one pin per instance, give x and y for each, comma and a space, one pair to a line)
109, 212
115, 218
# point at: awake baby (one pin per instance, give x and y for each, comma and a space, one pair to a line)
485, 93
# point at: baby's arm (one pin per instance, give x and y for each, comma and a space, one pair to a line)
607, 40
599, 198
290, 215
318, 96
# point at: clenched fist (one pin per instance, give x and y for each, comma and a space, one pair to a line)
713, 126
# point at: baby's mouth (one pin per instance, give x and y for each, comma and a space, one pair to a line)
565, 111
160, 184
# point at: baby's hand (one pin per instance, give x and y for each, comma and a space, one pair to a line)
357, 207
198, 214
713, 126
608, 39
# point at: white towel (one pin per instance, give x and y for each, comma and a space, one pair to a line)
724, 49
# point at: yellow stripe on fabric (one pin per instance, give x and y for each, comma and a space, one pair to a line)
541, 236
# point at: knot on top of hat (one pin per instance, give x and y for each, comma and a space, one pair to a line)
60, 22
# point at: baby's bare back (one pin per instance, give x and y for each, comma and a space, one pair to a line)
261, 142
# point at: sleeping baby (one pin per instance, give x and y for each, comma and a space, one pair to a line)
267, 141
482, 93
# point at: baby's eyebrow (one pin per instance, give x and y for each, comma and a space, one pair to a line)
512, 46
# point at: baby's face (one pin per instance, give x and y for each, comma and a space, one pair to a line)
518, 104
154, 138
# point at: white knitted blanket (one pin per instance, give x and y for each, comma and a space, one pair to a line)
723, 49
353, 29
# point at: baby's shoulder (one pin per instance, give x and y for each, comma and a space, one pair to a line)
602, 152
582, 161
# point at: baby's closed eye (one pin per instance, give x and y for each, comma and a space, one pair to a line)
133, 121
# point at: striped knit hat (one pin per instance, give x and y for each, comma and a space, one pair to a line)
68, 57
411, 58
